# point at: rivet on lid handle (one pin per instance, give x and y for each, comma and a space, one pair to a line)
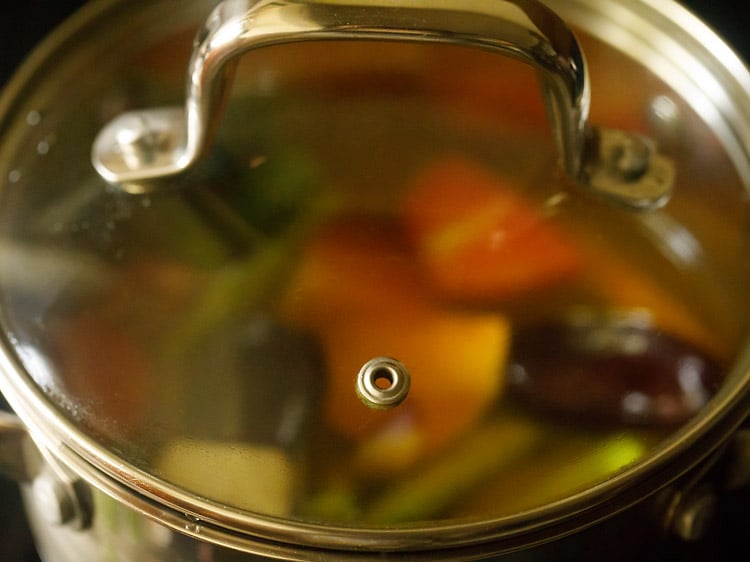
138, 149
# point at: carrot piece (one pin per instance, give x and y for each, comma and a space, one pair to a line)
357, 288
479, 240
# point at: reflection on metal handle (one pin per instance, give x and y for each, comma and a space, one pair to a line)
139, 147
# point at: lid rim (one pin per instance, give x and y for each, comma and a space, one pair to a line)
239, 530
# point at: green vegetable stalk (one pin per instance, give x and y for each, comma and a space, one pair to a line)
475, 458
567, 462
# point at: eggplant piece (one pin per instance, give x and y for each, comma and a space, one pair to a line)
613, 371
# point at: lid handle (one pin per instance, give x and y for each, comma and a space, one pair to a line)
140, 147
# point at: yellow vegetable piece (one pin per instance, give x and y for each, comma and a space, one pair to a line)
257, 478
455, 361
391, 450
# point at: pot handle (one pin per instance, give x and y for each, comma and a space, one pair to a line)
61, 497
16, 461
139, 148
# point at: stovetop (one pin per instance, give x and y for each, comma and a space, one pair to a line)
25, 23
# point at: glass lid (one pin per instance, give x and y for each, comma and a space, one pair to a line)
378, 299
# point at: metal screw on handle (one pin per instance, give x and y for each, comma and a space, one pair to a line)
139, 148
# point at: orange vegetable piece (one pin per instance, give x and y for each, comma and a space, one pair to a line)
358, 289
622, 285
478, 239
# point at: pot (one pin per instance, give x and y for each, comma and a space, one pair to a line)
385, 279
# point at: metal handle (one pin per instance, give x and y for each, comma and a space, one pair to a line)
140, 147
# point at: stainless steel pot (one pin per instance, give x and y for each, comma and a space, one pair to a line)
215, 334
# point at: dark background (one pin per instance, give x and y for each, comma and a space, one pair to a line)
23, 23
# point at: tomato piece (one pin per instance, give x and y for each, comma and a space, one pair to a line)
358, 289
478, 239
108, 371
